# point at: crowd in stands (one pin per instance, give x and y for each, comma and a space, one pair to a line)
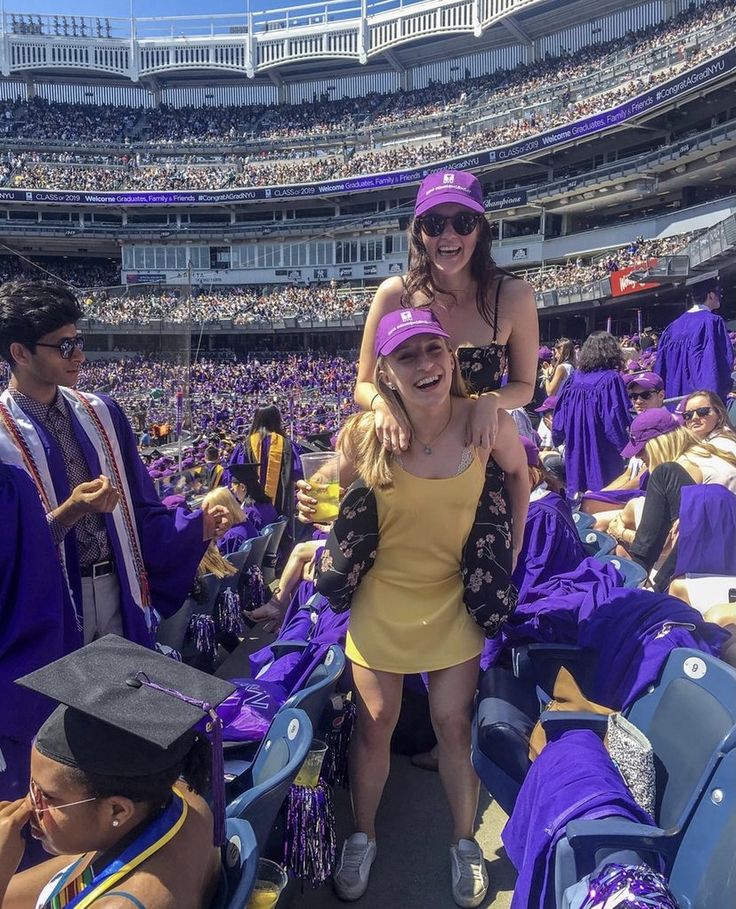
242, 305
580, 273
562, 104
86, 272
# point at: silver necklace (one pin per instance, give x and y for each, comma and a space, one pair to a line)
427, 446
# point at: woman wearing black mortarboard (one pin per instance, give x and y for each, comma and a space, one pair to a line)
116, 773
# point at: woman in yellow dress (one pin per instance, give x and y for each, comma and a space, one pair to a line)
412, 555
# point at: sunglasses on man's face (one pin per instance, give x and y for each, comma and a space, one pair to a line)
463, 223
687, 415
643, 395
66, 347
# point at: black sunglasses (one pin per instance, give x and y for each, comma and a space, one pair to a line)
463, 223
687, 415
636, 395
67, 347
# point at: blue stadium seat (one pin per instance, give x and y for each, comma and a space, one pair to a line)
633, 573
274, 532
239, 866
583, 521
596, 542
257, 551
172, 631
276, 764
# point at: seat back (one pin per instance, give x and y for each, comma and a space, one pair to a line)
276, 763
258, 547
274, 532
703, 875
320, 685
596, 542
633, 573
583, 521
239, 866
237, 560
690, 719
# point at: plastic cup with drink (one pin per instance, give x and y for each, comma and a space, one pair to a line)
270, 881
322, 472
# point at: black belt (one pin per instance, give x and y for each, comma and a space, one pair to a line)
98, 570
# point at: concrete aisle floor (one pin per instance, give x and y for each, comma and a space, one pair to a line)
412, 869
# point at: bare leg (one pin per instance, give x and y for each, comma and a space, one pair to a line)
379, 705
678, 588
451, 693
273, 611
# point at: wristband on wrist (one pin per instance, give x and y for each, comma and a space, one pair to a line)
376, 395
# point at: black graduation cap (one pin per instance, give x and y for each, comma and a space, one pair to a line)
127, 711
321, 441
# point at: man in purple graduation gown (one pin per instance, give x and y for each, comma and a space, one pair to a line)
38, 623
695, 351
38, 338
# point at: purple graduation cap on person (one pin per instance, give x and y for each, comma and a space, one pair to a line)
127, 711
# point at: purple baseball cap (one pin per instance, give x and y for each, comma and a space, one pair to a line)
549, 403
457, 186
401, 324
649, 381
648, 425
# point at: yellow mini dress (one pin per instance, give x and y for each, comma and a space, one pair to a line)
408, 615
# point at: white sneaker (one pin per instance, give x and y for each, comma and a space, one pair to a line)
469, 874
353, 870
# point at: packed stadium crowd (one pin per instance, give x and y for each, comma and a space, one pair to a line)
562, 104
242, 305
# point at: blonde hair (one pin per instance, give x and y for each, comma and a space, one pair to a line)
222, 496
679, 443
358, 436
213, 562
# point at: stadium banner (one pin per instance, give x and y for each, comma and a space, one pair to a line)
622, 283
680, 85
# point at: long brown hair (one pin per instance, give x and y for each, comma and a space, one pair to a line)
483, 270
723, 426
358, 437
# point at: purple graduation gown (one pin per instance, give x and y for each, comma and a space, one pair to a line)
551, 544
632, 633
233, 539
550, 610
592, 418
38, 623
572, 779
707, 539
695, 352
171, 541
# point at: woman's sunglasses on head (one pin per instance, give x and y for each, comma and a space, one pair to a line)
687, 415
463, 223
66, 347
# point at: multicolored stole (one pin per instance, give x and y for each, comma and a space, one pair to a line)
79, 889
21, 445
273, 465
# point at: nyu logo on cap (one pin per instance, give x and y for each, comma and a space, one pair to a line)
401, 324
457, 186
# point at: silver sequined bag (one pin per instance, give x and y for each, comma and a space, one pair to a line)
631, 751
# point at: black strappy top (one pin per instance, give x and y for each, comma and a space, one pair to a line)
482, 368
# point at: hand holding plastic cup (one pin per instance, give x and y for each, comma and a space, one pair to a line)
322, 472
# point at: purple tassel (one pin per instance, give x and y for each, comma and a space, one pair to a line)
309, 834
633, 886
335, 766
254, 589
218, 779
202, 631
228, 612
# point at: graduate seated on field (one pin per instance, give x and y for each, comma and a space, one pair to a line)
118, 773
